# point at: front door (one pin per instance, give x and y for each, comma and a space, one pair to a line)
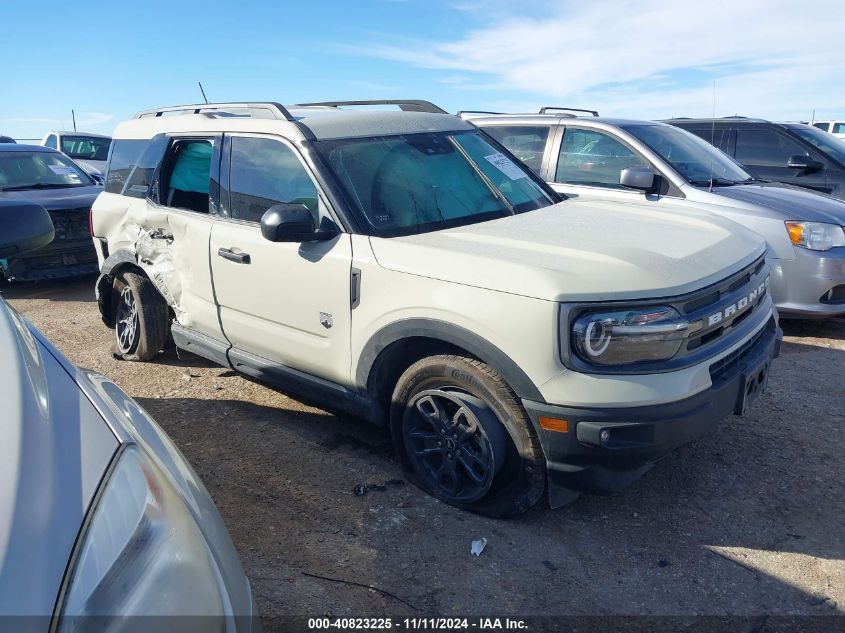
288, 303
765, 152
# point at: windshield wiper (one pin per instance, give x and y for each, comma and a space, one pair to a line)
40, 185
715, 182
493, 189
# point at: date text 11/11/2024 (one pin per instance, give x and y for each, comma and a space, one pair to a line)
418, 624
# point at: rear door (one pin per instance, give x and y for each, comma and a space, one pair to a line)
765, 151
169, 226
288, 303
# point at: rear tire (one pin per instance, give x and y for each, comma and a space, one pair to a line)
141, 320
463, 436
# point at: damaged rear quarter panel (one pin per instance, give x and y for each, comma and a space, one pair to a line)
171, 247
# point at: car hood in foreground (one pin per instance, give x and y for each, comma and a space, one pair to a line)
56, 199
791, 203
596, 250
54, 449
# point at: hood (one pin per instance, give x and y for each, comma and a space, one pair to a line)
54, 449
56, 199
791, 203
91, 166
581, 250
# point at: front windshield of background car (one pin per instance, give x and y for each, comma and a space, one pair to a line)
39, 170
695, 159
826, 142
86, 147
407, 184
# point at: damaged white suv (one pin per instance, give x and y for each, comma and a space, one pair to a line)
402, 267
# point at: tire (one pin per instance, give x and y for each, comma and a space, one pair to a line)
460, 471
141, 320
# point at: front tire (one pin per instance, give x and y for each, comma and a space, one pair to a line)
463, 436
140, 318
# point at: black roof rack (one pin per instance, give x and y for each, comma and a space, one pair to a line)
462, 112
408, 105
545, 109
274, 110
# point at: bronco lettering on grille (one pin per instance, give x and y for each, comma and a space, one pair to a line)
740, 306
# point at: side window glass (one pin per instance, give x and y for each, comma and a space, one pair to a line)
186, 185
141, 177
838, 128
766, 148
52, 142
122, 158
717, 137
589, 157
526, 142
265, 172
821, 126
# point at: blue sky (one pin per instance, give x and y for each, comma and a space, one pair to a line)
636, 58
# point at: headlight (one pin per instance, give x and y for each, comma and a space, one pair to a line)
816, 236
142, 554
621, 337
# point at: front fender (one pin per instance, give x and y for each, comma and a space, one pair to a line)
450, 333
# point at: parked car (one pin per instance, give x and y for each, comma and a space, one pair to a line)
49, 178
667, 168
837, 128
102, 518
792, 153
404, 268
89, 150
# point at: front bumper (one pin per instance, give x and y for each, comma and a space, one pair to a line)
56, 261
584, 459
811, 285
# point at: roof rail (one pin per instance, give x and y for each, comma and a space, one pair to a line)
275, 110
409, 105
461, 113
545, 110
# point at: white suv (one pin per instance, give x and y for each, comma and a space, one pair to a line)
402, 267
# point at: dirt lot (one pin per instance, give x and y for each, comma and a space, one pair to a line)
747, 521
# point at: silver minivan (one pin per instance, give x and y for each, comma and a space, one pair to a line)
620, 159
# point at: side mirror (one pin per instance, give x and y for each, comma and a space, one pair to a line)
637, 178
24, 226
804, 162
291, 222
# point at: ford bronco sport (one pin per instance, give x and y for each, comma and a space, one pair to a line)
402, 267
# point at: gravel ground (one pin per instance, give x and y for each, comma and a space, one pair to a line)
747, 521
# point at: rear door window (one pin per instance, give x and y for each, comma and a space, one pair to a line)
822, 126
185, 182
717, 136
591, 157
122, 159
526, 142
766, 147
265, 172
838, 128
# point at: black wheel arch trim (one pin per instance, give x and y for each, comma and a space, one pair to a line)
451, 334
111, 266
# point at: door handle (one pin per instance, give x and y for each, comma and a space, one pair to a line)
232, 256
159, 234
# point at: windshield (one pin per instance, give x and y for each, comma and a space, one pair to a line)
86, 147
415, 183
696, 160
39, 170
821, 140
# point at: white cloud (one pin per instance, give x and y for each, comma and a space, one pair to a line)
652, 58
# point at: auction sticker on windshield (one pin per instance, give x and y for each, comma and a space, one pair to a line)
505, 165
